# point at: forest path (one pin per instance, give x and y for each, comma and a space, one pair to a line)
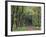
30, 28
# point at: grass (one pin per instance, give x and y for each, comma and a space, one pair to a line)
25, 28
21, 29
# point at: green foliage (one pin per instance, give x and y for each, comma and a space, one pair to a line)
36, 18
22, 16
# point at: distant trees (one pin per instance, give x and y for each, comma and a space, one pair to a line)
25, 16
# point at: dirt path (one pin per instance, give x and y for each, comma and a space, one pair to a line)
30, 28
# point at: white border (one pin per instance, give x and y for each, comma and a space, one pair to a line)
25, 32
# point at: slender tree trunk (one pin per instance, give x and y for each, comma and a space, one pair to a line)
12, 18
17, 22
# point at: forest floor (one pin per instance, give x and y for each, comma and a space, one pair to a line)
30, 28
27, 28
